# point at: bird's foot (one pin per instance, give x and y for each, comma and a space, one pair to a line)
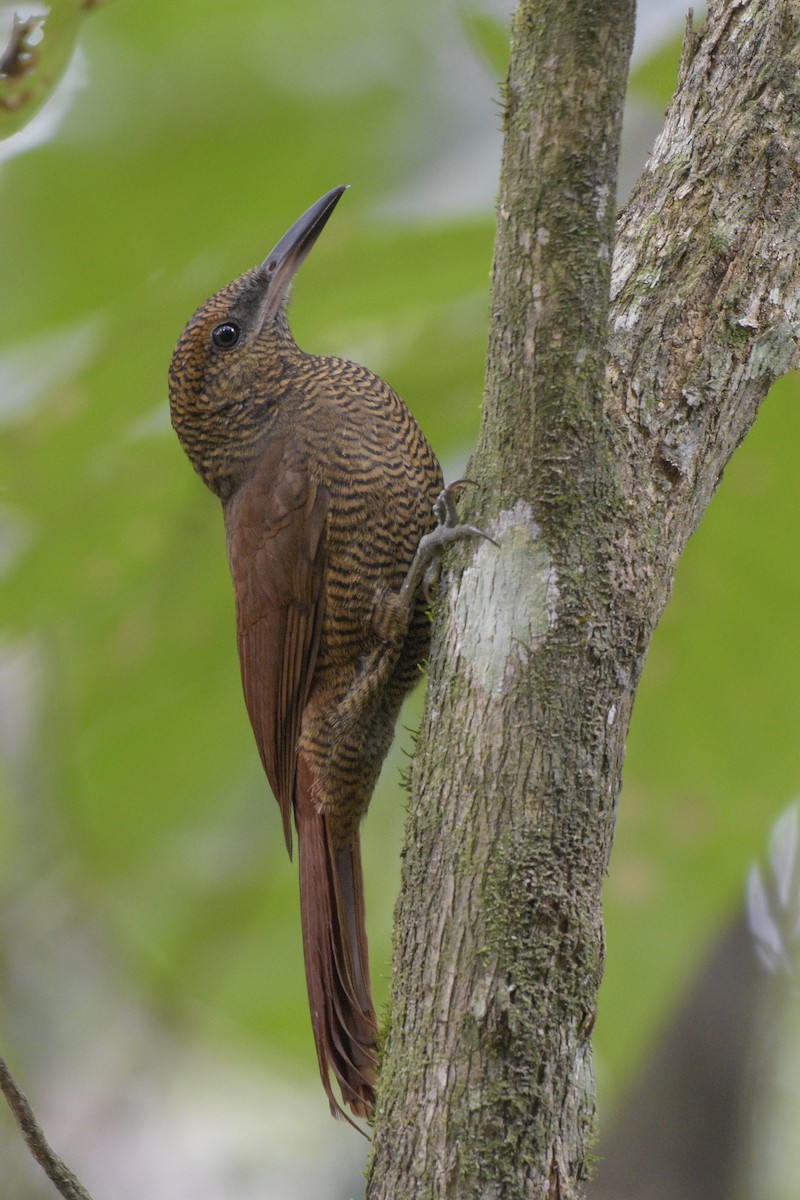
424, 568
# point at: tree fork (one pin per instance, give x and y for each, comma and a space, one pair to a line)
487, 1086
604, 436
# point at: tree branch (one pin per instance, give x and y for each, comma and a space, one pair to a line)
31, 67
706, 275
601, 445
486, 1087
60, 1175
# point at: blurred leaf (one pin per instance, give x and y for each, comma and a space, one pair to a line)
488, 34
713, 750
655, 77
773, 898
36, 54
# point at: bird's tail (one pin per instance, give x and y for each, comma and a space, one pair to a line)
335, 952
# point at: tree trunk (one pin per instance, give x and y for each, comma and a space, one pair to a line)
603, 439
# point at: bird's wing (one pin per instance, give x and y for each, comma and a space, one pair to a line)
276, 545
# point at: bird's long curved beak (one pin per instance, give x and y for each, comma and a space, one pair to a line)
280, 266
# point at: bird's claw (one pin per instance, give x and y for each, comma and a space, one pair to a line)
447, 530
444, 509
444, 506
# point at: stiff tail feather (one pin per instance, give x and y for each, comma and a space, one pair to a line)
335, 952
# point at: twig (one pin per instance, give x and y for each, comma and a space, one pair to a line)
60, 1175
20, 56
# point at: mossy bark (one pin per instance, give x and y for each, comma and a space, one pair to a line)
604, 436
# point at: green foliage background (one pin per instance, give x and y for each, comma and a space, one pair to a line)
130, 782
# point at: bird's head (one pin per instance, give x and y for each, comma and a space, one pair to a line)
227, 365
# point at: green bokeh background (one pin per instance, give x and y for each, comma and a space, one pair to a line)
131, 796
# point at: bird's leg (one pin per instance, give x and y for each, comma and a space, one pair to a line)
393, 614
394, 611
390, 623
423, 569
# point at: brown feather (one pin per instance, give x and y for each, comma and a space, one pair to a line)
335, 954
276, 548
327, 484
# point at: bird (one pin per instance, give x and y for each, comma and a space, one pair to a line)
335, 511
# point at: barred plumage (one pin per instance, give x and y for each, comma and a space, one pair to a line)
327, 485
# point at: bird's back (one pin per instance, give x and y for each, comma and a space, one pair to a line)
382, 478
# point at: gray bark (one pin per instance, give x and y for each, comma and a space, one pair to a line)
603, 439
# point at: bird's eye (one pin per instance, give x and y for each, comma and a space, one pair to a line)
226, 335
